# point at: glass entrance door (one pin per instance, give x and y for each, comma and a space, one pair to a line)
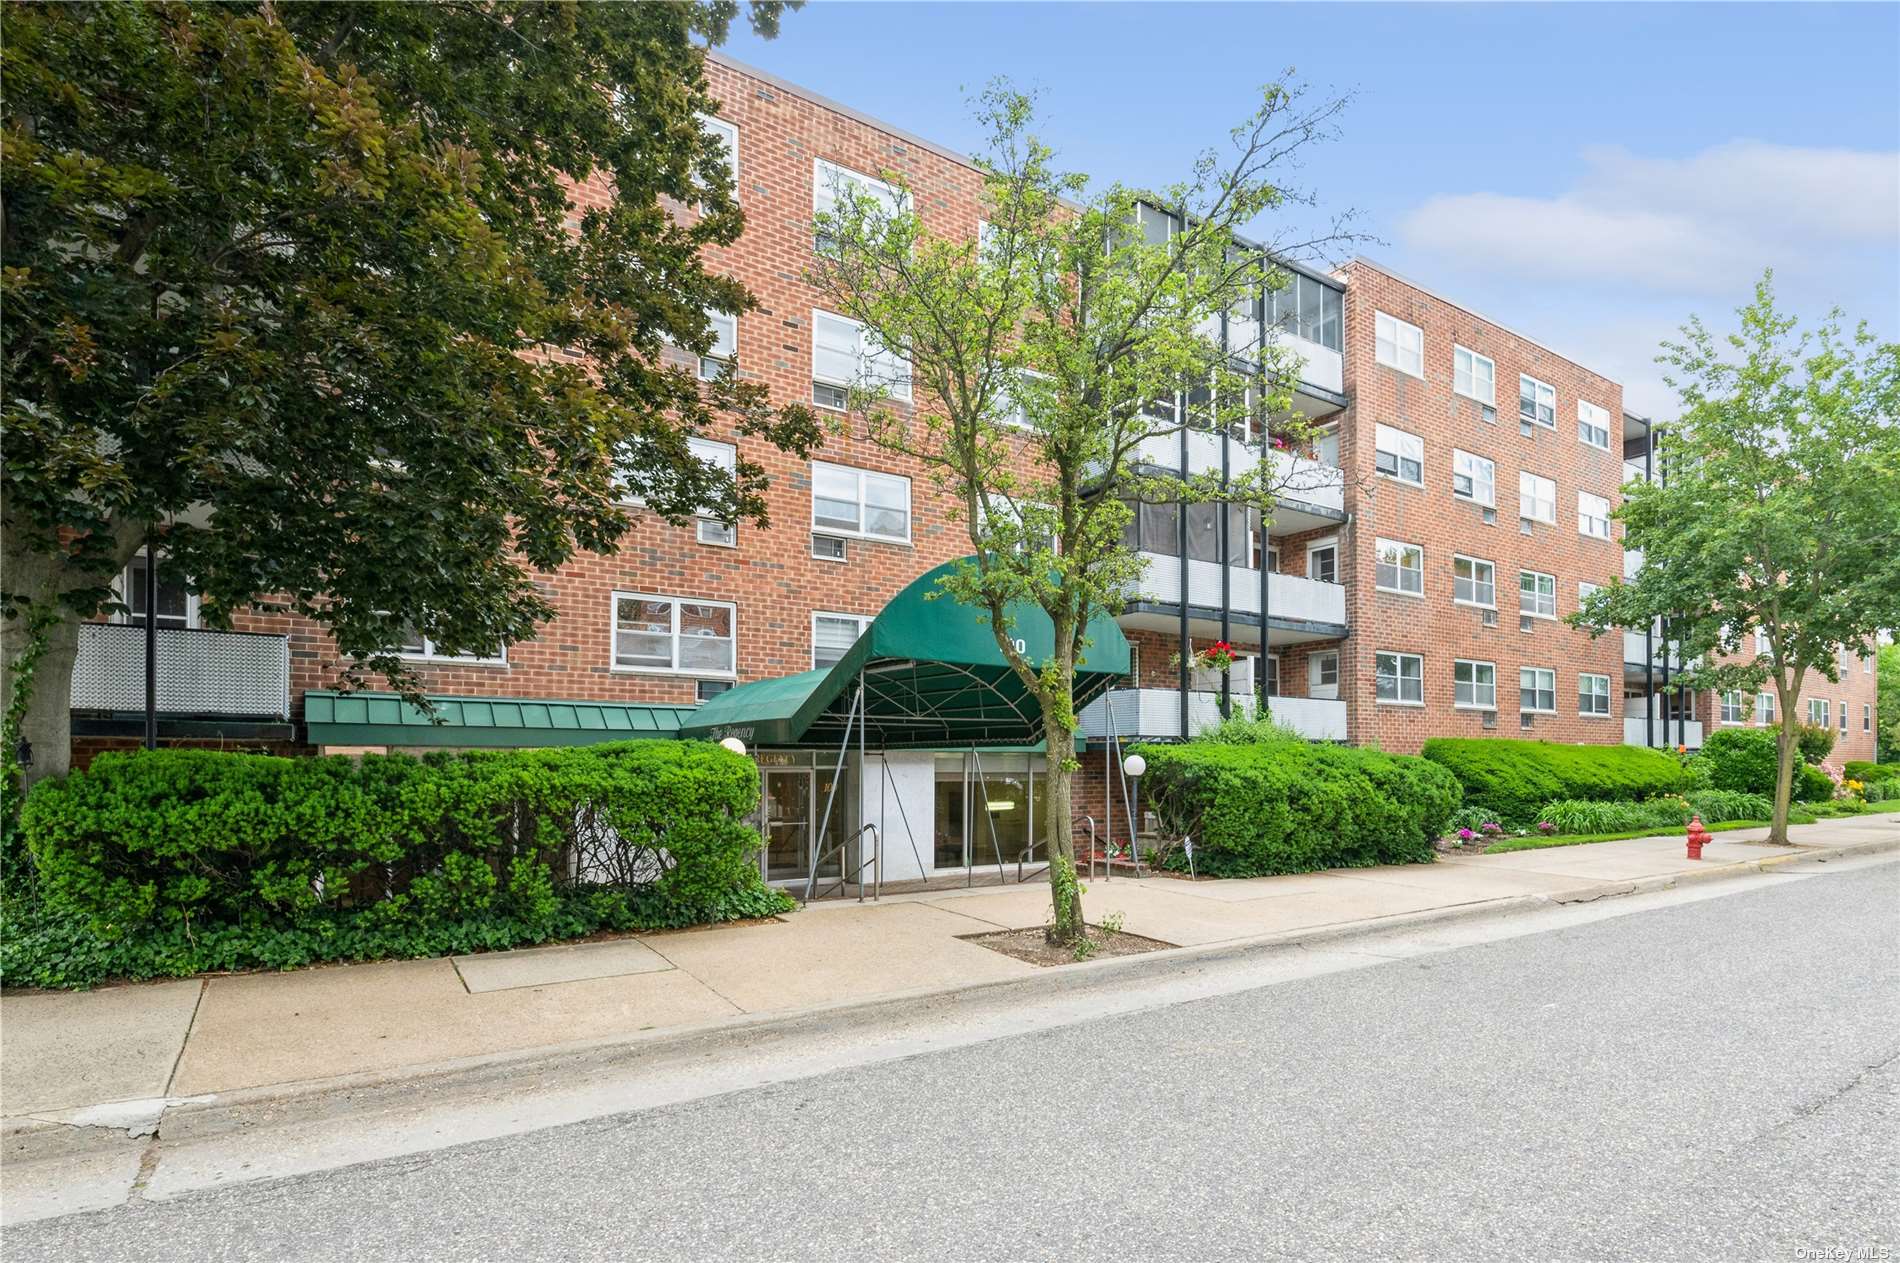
788, 823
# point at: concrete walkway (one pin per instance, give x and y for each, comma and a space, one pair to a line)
117, 1057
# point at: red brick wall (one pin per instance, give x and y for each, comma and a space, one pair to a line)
1433, 626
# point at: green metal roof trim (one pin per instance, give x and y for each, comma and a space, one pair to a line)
383, 719
934, 679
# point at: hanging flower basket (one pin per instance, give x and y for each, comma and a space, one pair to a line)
1219, 656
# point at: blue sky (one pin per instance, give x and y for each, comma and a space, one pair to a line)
1588, 174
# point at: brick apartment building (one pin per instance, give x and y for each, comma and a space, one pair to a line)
1413, 579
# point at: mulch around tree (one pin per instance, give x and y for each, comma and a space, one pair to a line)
1031, 945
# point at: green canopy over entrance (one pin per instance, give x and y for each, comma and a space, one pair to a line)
933, 675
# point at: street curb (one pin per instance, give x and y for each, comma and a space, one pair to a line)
39, 1137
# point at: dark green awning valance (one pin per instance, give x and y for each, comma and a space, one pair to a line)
933, 676
384, 719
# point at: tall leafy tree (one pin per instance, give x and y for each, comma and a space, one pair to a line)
1779, 509
1887, 704
1079, 332
303, 290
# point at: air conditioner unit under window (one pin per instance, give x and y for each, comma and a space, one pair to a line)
1489, 618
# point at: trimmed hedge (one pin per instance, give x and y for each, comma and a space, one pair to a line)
1742, 759
1862, 770
1514, 778
1292, 807
171, 862
1584, 816
1811, 785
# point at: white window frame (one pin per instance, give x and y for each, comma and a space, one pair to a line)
1474, 466
1474, 685
1584, 590
1474, 563
1465, 379
1601, 693
1866, 716
1730, 709
826, 176
1398, 677
728, 132
1590, 523
1537, 594
1538, 389
1401, 446
1818, 712
725, 345
864, 478
1012, 414
722, 456
1764, 707
1536, 688
1529, 502
1761, 641
429, 653
868, 354
124, 584
863, 622
1591, 417
1329, 544
1406, 342
1414, 551
1317, 686
1845, 719
673, 603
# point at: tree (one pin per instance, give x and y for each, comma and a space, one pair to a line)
1887, 704
1044, 355
1779, 510
302, 291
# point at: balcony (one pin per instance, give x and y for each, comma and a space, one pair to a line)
1635, 732
204, 678
1156, 714
1634, 646
1312, 495
1293, 602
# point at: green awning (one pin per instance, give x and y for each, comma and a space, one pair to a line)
933, 678
384, 719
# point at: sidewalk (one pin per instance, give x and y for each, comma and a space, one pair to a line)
69, 1057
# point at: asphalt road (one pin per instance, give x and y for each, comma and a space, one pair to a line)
1715, 1080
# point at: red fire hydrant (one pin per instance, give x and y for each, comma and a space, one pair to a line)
1698, 837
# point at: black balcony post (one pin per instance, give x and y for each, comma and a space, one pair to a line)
1664, 624
1181, 551
151, 640
1226, 555
1649, 685
1266, 569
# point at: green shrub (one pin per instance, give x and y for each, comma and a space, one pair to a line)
174, 861
1472, 818
1746, 760
1292, 807
1812, 785
1862, 770
1883, 791
1248, 729
1514, 778
1814, 741
1726, 804
1576, 815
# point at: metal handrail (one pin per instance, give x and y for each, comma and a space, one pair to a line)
875, 860
1029, 852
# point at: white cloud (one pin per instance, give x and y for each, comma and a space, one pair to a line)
1691, 224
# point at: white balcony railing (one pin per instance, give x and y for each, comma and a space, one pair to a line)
1156, 713
1288, 596
1636, 647
230, 674
1635, 732
1297, 479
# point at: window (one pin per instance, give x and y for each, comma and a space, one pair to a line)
1273, 675
1593, 695
846, 501
725, 345
1764, 708
1536, 498
1537, 594
1474, 478
1322, 675
1399, 345
1585, 590
1536, 402
177, 607
721, 456
1843, 716
423, 649
1733, 709
1474, 582
1401, 568
727, 137
1322, 562
832, 636
1866, 716
829, 187
843, 354
1537, 690
1474, 685
1401, 678
706, 690
1306, 308
1593, 515
673, 634
1593, 425
1474, 375
1400, 455
1761, 641
1009, 408
1817, 711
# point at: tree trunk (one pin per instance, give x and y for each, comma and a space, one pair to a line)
1065, 891
47, 724
1784, 774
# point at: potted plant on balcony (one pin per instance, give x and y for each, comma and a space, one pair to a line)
1219, 656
